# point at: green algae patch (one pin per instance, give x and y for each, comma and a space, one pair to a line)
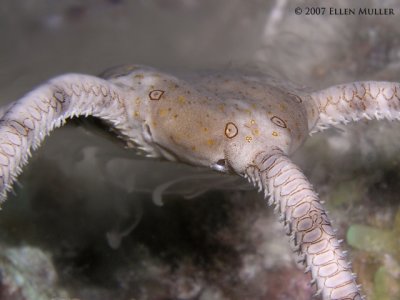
367, 238
386, 286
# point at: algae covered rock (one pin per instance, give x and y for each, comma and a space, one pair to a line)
383, 252
27, 273
371, 239
386, 284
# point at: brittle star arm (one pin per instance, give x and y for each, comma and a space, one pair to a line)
26, 122
345, 103
306, 222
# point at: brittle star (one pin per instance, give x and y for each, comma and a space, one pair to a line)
245, 125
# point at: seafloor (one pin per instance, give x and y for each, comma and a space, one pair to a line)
85, 220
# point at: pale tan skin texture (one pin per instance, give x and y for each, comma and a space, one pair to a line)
232, 123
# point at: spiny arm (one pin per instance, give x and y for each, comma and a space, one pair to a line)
345, 103
26, 122
306, 223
